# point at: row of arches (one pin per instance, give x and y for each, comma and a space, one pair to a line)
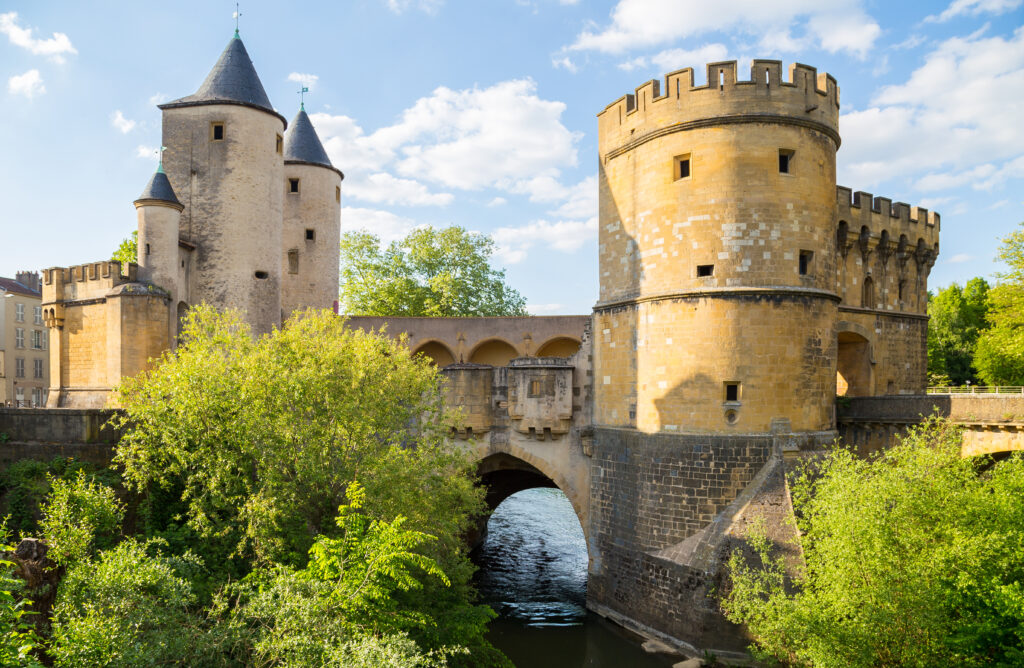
495, 351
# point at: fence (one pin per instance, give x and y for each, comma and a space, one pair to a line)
977, 389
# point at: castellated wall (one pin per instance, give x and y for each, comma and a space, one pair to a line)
232, 191
310, 265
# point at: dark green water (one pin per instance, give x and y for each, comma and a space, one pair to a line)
533, 572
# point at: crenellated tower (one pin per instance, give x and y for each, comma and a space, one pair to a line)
717, 305
312, 213
225, 159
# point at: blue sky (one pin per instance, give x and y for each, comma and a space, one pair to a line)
481, 113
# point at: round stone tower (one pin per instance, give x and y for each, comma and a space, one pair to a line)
312, 219
159, 214
717, 309
225, 159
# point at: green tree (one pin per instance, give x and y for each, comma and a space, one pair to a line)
128, 251
1000, 350
958, 316
18, 638
912, 558
438, 273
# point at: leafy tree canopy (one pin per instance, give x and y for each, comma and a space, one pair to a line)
958, 316
128, 251
912, 559
1000, 350
431, 272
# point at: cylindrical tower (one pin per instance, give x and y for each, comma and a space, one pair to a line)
717, 309
159, 213
312, 219
225, 158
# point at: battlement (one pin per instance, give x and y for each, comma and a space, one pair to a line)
862, 211
806, 95
85, 281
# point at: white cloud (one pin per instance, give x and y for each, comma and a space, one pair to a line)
157, 98
581, 201
998, 205
428, 6
386, 225
954, 122
145, 152
497, 201
55, 47
959, 258
123, 124
670, 60
385, 188
565, 63
566, 236
28, 84
307, 80
839, 25
974, 8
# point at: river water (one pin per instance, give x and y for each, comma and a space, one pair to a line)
533, 572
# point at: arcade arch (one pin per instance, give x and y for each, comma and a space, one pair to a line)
560, 346
495, 352
437, 352
853, 368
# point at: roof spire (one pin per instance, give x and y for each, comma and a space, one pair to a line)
160, 165
302, 97
236, 16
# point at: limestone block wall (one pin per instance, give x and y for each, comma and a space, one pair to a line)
540, 396
232, 191
159, 260
883, 353
310, 237
468, 388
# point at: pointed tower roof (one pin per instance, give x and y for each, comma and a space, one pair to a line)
159, 190
233, 80
302, 144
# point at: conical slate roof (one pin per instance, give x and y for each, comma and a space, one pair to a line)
301, 143
159, 188
233, 80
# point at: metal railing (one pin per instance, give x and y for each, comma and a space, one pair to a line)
977, 389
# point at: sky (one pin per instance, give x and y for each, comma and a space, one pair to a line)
482, 113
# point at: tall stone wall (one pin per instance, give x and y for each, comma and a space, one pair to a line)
310, 236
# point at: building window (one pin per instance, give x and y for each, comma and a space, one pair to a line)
704, 270
785, 160
19, 313
293, 261
310, 234
867, 297
37, 397
37, 314
37, 339
261, 275
902, 289
147, 249
19, 368
217, 131
536, 388
732, 391
293, 186
337, 194
37, 368
805, 262
681, 166
280, 144
19, 337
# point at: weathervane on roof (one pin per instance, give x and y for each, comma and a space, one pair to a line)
302, 97
160, 165
236, 16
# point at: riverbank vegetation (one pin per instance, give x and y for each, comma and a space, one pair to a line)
294, 503
912, 558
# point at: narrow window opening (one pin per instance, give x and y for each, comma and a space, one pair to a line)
182, 264
293, 186
732, 391
785, 160
261, 274
293, 261
280, 145
217, 131
721, 79
805, 262
705, 270
902, 287
682, 166
147, 249
310, 234
536, 388
337, 194
767, 77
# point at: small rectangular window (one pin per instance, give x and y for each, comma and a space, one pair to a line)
37, 312
337, 194
681, 166
19, 337
310, 234
732, 391
705, 270
805, 262
19, 368
37, 368
147, 249
536, 388
19, 312
217, 131
261, 275
293, 261
293, 186
785, 160
280, 144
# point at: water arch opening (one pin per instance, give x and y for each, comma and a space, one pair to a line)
532, 558
853, 370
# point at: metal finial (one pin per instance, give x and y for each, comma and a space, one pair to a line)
302, 97
160, 165
236, 16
